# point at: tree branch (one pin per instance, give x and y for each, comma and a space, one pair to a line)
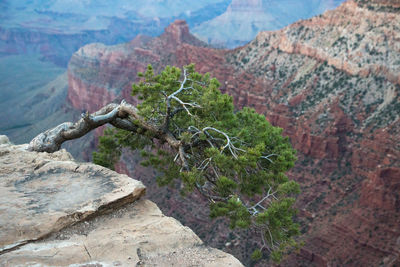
51, 140
124, 116
184, 105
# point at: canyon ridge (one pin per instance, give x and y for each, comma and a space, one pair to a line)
331, 82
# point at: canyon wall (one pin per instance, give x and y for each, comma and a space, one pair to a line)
331, 82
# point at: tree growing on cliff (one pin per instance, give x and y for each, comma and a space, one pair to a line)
187, 129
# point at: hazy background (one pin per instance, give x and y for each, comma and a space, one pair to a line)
38, 37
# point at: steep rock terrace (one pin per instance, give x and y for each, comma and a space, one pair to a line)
332, 82
58, 212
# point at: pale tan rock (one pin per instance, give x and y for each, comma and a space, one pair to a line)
41, 193
58, 212
136, 235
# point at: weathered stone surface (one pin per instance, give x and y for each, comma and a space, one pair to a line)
42, 193
136, 235
57, 212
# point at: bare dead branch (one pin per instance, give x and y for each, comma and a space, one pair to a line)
51, 140
168, 98
122, 116
254, 210
268, 157
228, 144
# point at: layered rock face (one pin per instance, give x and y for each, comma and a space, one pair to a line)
58, 212
332, 82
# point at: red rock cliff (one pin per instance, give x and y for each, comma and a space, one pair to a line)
332, 82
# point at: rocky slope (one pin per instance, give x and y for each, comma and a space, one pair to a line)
332, 82
58, 212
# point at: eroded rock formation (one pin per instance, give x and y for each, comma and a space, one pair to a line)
332, 83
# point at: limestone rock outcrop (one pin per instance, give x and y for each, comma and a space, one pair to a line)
55, 211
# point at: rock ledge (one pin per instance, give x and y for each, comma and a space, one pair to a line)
57, 212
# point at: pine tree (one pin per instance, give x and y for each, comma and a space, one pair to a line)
188, 130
